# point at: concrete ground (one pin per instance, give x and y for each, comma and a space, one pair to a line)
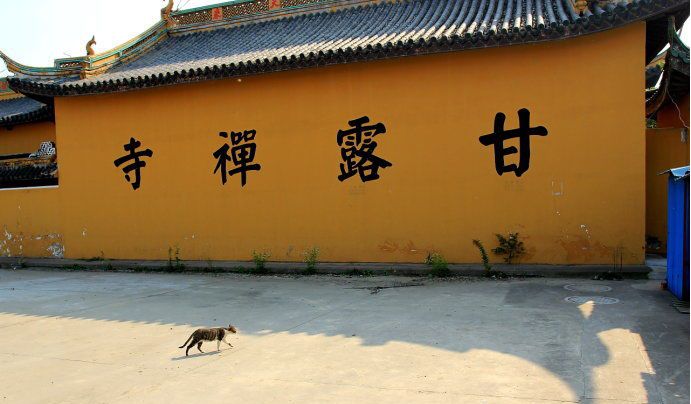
83, 337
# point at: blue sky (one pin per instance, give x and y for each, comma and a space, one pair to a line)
35, 32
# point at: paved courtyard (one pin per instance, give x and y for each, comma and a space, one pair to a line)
79, 337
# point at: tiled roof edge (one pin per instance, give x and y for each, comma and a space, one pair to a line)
171, 21
6, 93
86, 66
45, 113
612, 18
676, 70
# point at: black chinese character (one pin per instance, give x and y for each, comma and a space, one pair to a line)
357, 150
241, 154
524, 132
136, 165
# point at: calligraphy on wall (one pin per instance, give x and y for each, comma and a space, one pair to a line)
136, 162
523, 133
242, 152
357, 145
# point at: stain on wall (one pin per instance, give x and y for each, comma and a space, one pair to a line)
29, 245
31, 223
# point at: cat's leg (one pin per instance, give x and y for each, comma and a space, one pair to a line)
193, 343
199, 346
224, 340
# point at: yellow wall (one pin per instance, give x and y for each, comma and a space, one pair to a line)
26, 138
664, 150
582, 198
31, 223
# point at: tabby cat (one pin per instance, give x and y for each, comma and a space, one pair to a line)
209, 334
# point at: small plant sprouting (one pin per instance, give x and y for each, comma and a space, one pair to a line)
485, 258
510, 247
440, 268
174, 262
101, 257
311, 259
360, 272
259, 259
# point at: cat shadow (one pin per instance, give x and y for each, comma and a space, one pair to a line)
196, 355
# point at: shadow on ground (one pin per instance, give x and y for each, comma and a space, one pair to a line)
635, 350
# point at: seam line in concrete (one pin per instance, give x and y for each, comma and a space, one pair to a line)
421, 390
646, 363
54, 358
580, 360
617, 400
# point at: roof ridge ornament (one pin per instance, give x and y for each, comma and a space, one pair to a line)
90, 46
12, 65
166, 13
580, 5
8, 61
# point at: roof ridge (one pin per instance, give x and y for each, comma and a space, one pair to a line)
22, 109
175, 22
359, 30
90, 65
234, 8
303, 10
210, 6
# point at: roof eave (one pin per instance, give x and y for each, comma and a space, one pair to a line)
675, 76
44, 114
615, 17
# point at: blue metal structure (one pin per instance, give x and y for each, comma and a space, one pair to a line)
678, 232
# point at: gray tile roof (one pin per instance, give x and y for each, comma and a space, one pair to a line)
28, 174
366, 32
22, 110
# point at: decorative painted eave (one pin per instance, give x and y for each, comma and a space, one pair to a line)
6, 93
87, 66
238, 12
246, 37
199, 18
675, 75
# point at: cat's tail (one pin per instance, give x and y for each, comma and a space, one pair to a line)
188, 340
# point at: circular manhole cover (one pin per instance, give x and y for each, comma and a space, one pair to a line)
590, 288
591, 299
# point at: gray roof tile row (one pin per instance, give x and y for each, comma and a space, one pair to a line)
22, 110
366, 32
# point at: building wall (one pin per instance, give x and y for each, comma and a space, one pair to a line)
581, 200
664, 150
25, 138
670, 117
31, 223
